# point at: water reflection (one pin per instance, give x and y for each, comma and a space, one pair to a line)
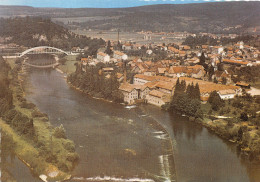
119, 142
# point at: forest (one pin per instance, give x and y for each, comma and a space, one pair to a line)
38, 31
96, 83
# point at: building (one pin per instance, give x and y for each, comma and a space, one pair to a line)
227, 94
120, 55
158, 98
243, 85
103, 57
129, 92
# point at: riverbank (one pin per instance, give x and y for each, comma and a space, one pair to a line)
47, 152
245, 136
161, 133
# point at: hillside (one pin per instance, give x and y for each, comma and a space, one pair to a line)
228, 17
36, 31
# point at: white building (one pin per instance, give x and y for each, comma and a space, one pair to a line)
129, 92
103, 57
157, 98
227, 94
120, 55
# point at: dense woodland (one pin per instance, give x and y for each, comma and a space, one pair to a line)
94, 82
20, 122
186, 100
36, 31
207, 40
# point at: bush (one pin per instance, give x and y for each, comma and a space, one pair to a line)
9, 116
27, 105
63, 167
59, 132
69, 146
243, 116
72, 157
38, 114
51, 158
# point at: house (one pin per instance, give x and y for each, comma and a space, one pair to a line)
235, 62
103, 57
84, 60
150, 72
161, 71
120, 77
176, 71
158, 98
107, 70
217, 49
120, 55
243, 85
219, 75
227, 94
142, 79
149, 52
165, 87
140, 68
127, 46
129, 92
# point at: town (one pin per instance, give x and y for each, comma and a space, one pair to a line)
214, 68
100, 95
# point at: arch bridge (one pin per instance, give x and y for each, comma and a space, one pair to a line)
43, 50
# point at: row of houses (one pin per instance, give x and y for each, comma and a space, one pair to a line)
105, 58
158, 90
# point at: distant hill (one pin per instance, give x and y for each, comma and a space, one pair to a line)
37, 31
219, 17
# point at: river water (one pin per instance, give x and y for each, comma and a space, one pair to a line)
117, 143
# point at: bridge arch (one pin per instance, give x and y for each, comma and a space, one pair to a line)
43, 47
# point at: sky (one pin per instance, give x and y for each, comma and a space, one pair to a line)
97, 3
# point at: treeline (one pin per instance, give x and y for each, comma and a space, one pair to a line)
186, 100
247, 74
207, 40
6, 98
20, 122
96, 83
36, 31
21, 116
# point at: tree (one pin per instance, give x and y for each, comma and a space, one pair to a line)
243, 116
108, 49
202, 59
210, 72
224, 80
215, 101
59, 132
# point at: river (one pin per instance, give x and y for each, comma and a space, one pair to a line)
117, 143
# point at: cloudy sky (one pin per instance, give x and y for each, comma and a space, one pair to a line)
96, 3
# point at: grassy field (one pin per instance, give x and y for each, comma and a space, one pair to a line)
29, 154
256, 84
11, 62
69, 66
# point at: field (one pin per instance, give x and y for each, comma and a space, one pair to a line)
68, 20
69, 66
127, 36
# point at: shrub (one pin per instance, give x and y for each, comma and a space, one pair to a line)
51, 158
63, 167
72, 157
59, 132
9, 116
243, 116
36, 114
27, 105
69, 146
